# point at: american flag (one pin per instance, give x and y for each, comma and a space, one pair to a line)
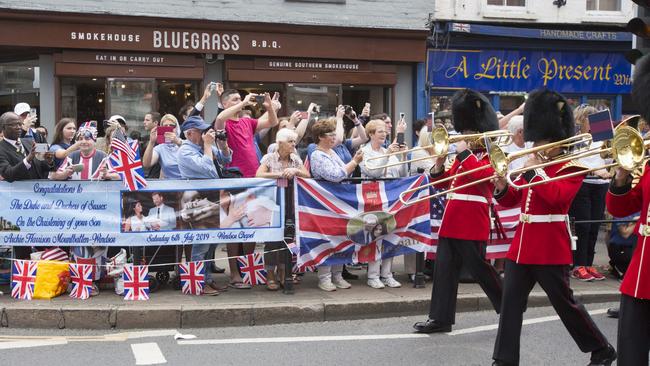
251, 267
330, 219
125, 160
54, 254
136, 284
81, 276
499, 242
23, 277
192, 276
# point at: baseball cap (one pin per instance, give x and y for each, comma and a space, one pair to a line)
21, 108
119, 119
195, 122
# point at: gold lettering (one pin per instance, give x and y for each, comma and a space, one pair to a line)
487, 67
462, 67
547, 68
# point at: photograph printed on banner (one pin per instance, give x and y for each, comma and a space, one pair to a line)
251, 207
200, 209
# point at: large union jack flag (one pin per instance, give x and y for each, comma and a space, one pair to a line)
192, 277
136, 284
23, 277
335, 221
251, 267
81, 276
125, 160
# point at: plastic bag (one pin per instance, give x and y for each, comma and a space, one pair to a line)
116, 264
52, 278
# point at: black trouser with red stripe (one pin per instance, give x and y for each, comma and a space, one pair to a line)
554, 280
633, 331
450, 256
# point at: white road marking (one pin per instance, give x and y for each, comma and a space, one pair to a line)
111, 337
33, 343
303, 339
150, 333
544, 319
147, 354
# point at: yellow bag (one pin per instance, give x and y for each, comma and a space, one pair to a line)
52, 278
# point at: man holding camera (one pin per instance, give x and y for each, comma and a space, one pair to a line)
197, 159
28, 117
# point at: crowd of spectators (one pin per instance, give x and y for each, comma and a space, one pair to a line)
305, 144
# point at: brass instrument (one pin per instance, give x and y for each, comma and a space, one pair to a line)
499, 161
440, 141
627, 149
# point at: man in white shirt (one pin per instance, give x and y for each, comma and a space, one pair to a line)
161, 216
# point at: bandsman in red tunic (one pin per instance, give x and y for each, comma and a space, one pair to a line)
465, 226
624, 199
540, 251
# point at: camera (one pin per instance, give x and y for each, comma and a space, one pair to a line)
259, 98
221, 135
348, 109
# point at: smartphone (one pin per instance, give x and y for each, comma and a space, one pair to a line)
400, 138
259, 99
41, 148
213, 86
160, 133
304, 115
77, 168
401, 116
367, 105
32, 112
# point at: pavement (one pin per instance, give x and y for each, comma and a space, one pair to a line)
168, 308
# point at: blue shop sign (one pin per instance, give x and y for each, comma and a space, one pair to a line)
522, 71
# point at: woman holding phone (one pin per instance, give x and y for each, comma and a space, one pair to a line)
165, 152
63, 143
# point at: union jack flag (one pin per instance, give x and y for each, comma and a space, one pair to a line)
81, 276
192, 277
23, 277
294, 260
251, 267
136, 284
125, 160
334, 219
461, 27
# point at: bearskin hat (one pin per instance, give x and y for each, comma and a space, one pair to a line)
547, 116
641, 86
472, 111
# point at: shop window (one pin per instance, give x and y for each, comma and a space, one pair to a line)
175, 94
326, 96
83, 99
507, 2
132, 99
19, 82
600, 103
258, 88
508, 103
604, 5
441, 108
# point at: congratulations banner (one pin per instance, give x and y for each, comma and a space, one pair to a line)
80, 213
513, 70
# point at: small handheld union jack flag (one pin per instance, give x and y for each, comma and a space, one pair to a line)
251, 267
192, 277
81, 276
125, 160
294, 260
23, 277
136, 284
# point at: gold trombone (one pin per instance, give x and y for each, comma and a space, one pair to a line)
627, 150
499, 161
440, 142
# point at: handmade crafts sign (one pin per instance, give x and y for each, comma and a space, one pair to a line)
516, 70
85, 213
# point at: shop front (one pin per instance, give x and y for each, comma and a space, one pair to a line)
93, 66
506, 72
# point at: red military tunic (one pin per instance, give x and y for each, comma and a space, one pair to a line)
467, 219
546, 243
625, 201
